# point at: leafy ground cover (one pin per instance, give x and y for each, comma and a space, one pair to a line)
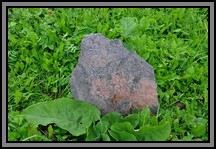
43, 49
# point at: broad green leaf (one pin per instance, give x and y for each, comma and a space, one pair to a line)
122, 136
112, 117
199, 130
35, 54
146, 55
122, 126
28, 81
17, 65
33, 131
163, 29
50, 46
154, 120
92, 134
50, 131
177, 30
21, 65
45, 66
128, 26
12, 136
72, 115
132, 118
17, 96
144, 117
28, 60
99, 27
122, 132
95, 131
176, 125
54, 90
105, 137
189, 72
12, 24
187, 138
61, 47
154, 133
33, 37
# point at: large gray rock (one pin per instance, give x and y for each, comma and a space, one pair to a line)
112, 78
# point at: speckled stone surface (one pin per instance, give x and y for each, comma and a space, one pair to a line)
112, 78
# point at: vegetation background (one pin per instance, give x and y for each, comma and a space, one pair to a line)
44, 46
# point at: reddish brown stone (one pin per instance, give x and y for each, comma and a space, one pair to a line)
112, 78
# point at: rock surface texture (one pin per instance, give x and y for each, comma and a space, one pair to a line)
112, 78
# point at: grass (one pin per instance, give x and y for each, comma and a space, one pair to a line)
44, 46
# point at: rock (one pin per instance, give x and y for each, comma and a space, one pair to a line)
112, 78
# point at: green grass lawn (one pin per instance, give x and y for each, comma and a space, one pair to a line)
44, 46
